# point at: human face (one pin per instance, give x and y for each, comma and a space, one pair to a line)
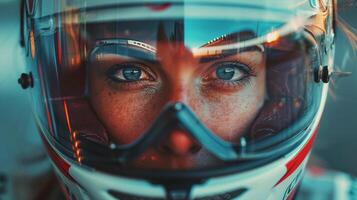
128, 92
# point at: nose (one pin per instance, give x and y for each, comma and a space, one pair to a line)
179, 143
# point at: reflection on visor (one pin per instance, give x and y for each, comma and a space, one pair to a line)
186, 120
180, 115
179, 93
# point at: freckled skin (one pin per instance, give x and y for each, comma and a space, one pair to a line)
128, 112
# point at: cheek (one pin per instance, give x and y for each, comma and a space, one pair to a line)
125, 115
230, 115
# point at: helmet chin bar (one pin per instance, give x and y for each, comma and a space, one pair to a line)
178, 115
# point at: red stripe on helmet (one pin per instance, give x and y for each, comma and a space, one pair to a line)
293, 164
61, 164
159, 7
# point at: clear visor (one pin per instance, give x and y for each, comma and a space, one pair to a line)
175, 86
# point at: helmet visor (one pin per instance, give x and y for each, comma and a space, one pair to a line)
175, 86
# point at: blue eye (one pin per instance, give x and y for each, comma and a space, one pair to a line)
229, 72
225, 73
131, 73
128, 73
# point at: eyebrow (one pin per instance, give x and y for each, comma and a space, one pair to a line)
227, 39
144, 51
131, 48
127, 42
234, 37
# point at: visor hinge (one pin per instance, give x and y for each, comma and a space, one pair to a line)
26, 80
322, 74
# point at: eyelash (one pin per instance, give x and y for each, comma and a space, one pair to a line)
226, 84
128, 84
217, 83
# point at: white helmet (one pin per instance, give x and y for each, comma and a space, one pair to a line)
199, 99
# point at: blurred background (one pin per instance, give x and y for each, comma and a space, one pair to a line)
336, 142
23, 162
335, 147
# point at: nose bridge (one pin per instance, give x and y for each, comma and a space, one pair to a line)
179, 67
180, 91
